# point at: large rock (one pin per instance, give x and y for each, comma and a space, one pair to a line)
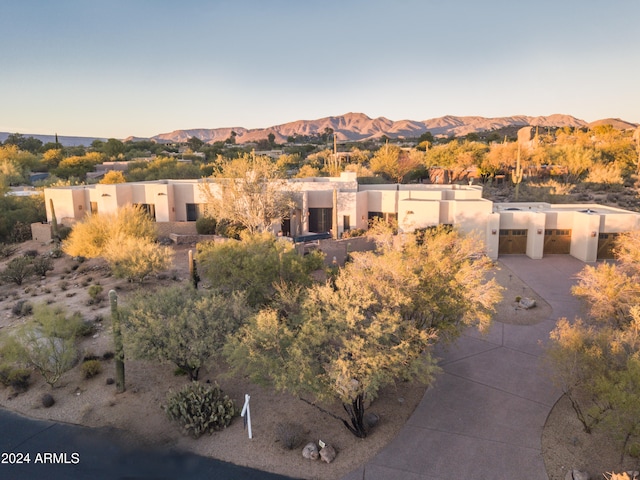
310, 451
527, 303
574, 474
328, 453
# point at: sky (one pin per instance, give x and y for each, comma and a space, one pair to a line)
119, 68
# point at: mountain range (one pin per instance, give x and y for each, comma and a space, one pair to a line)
357, 127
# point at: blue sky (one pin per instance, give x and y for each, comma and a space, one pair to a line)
141, 67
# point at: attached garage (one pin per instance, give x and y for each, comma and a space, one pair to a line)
606, 242
557, 241
512, 242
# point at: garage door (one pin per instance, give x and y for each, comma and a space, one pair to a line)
606, 242
512, 241
557, 241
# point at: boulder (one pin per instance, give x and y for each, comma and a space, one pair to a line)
328, 453
371, 419
527, 303
574, 474
47, 400
310, 451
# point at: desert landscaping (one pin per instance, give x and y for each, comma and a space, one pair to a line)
137, 415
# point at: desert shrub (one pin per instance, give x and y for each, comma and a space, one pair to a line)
22, 308
229, 229
47, 400
64, 285
7, 250
108, 355
290, 435
206, 225
47, 343
354, 232
96, 293
42, 265
63, 232
84, 328
200, 408
21, 232
91, 368
17, 270
30, 253
136, 258
56, 252
18, 378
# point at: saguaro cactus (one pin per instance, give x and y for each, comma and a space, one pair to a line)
193, 270
517, 174
117, 340
54, 222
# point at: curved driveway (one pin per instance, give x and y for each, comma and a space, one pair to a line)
484, 416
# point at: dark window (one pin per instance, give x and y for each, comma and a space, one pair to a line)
192, 212
320, 220
346, 223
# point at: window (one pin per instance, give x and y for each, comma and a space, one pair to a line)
320, 220
150, 208
346, 223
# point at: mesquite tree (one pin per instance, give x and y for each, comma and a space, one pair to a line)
373, 325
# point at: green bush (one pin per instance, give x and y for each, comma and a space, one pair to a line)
42, 265
200, 408
206, 226
91, 368
18, 378
7, 250
95, 293
17, 270
63, 232
22, 308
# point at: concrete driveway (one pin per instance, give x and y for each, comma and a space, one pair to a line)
483, 417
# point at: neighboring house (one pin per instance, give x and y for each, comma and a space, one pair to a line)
535, 229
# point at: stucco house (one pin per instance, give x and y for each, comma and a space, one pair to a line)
584, 231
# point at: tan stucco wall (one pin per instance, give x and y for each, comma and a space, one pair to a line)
425, 213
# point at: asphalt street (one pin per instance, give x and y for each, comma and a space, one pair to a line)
61, 451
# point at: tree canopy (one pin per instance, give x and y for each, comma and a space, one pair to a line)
251, 192
374, 324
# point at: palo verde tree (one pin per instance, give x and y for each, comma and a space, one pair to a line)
47, 342
251, 192
181, 325
597, 360
126, 240
374, 324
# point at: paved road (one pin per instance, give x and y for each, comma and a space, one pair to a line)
100, 455
484, 416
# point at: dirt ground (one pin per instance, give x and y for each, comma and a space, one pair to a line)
137, 414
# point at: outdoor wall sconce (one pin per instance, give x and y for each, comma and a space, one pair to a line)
106, 195
162, 194
539, 231
79, 207
493, 231
594, 234
409, 212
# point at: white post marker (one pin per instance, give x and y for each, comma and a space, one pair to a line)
246, 413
